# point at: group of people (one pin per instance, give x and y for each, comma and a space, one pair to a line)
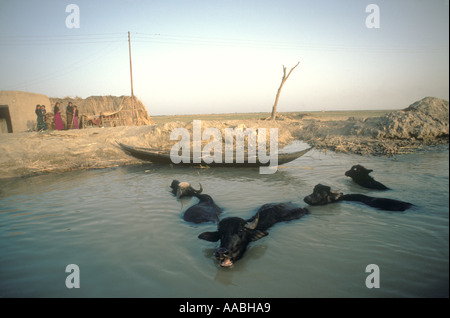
71, 117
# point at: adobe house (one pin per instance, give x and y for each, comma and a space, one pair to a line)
17, 110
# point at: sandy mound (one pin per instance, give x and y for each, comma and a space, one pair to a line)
425, 119
425, 122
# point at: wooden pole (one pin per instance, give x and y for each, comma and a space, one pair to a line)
131, 76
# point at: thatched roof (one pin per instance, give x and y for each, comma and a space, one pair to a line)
95, 106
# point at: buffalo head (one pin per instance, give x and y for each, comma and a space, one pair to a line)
181, 189
235, 234
358, 171
322, 195
360, 175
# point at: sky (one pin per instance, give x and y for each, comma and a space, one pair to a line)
227, 56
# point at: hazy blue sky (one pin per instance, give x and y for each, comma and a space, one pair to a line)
198, 56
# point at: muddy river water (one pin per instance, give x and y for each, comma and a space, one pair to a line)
124, 231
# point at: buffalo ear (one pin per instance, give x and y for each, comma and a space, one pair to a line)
209, 236
256, 235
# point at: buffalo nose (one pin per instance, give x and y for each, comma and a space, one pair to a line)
221, 252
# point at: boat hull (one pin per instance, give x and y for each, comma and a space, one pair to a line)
156, 156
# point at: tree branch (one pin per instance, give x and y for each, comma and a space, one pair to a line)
283, 80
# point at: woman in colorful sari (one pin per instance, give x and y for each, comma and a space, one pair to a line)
75, 117
58, 120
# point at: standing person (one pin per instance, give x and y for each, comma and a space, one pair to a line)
75, 117
69, 116
44, 116
43, 111
40, 118
58, 120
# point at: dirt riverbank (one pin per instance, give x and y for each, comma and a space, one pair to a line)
425, 122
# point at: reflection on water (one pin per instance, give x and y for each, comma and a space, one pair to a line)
125, 231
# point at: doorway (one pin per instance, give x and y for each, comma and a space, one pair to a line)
5, 120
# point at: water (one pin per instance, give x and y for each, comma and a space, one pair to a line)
125, 231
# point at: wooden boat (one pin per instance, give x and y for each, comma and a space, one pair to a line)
157, 156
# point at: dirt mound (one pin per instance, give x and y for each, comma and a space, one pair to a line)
425, 119
425, 122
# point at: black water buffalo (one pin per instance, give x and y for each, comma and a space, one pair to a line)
235, 233
204, 211
360, 175
323, 195
181, 189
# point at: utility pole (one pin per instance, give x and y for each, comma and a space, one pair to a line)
131, 76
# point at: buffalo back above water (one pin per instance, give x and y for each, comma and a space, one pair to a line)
204, 211
323, 195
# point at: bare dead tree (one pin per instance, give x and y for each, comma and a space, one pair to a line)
283, 80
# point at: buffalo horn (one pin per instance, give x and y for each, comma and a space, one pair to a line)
199, 190
252, 225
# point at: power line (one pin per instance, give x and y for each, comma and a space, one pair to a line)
10, 40
61, 72
173, 39
265, 44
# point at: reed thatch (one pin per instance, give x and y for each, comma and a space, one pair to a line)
108, 111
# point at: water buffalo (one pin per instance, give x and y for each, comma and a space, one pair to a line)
323, 195
181, 189
235, 233
360, 175
204, 211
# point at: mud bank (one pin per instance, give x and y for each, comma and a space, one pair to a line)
425, 122
31, 153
